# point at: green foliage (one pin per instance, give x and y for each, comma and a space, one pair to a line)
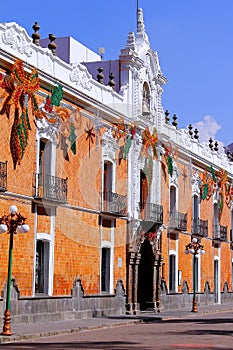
72, 139
57, 95
169, 164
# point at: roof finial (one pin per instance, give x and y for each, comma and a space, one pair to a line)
140, 21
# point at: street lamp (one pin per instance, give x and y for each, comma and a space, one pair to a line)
11, 223
194, 248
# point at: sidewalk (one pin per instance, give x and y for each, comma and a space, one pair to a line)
37, 330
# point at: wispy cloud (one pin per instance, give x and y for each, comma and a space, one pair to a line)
208, 128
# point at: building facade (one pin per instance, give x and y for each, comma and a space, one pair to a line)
112, 189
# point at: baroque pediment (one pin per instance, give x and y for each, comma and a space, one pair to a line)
81, 77
17, 38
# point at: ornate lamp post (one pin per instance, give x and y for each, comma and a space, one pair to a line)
194, 248
11, 223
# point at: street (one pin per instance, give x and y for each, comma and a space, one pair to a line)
204, 331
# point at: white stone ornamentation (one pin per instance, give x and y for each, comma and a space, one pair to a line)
196, 184
17, 41
109, 145
185, 138
175, 174
81, 77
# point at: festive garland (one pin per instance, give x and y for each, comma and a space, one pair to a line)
20, 87
150, 141
19, 91
55, 114
169, 155
216, 182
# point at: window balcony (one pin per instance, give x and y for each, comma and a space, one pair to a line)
178, 221
152, 212
50, 187
220, 233
114, 203
200, 227
3, 176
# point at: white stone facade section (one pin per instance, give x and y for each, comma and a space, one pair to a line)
109, 146
196, 184
81, 77
174, 178
16, 43
17, 39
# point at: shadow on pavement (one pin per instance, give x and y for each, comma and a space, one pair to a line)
110, 345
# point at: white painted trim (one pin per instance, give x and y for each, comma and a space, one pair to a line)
173, 252
217, 258
48, 238
110, 245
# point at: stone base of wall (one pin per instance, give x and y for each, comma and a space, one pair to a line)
44, 309
179, 301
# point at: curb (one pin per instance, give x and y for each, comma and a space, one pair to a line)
18, 337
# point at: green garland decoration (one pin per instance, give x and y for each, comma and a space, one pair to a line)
127, 147
213, 173
169, 164
72, 139
148, 169
57, 95
22, 133
205, 191
220, 205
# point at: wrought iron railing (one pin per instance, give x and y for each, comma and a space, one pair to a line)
114, 203
220, 232
178, 221
152, 212
50, 187
200, 227
3, 176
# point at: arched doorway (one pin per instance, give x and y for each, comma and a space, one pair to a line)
146, 276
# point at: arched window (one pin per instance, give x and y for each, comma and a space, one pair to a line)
144, 190
145, 99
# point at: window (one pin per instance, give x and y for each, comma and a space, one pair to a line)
146, 99
195, 214
216, 280
172, 199
42, 267
108, 177
216, 221
173, 221
144, 191
172, 273
196, 273
45, 155
105, 269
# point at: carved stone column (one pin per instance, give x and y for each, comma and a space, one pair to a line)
129, 305
136, 306
157, 281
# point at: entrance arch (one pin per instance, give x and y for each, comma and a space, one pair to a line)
146, 276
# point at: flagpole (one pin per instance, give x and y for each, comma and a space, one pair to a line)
137, 13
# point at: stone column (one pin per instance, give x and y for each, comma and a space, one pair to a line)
136, 306
129, 305
157, 281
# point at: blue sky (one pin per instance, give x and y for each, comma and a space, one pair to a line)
193, 39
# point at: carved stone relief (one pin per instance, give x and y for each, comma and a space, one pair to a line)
109, 145
175, 174
196, 184
81, 77
17, 41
